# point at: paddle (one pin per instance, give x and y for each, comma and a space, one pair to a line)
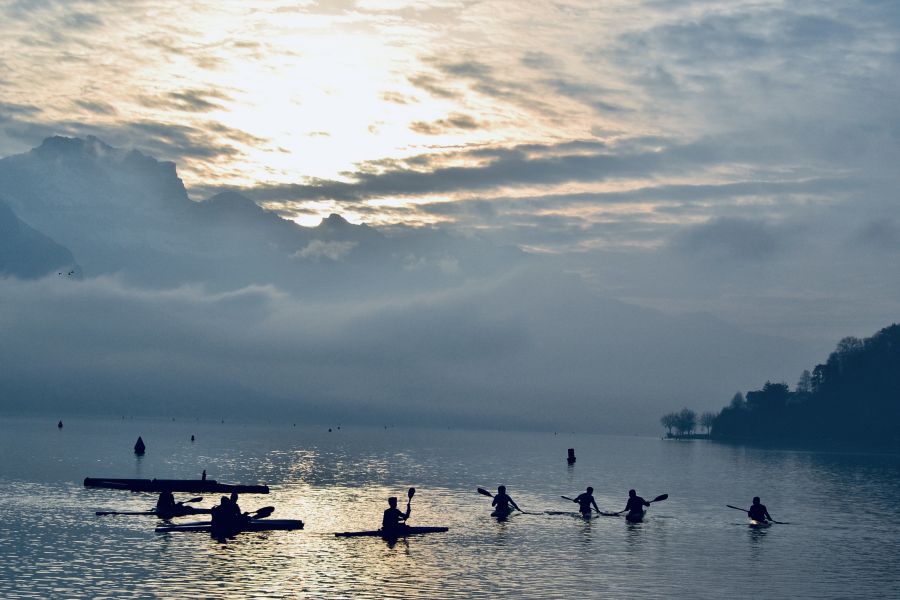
659, 498
484, 492
748, 512
592, 508
103, 513
409, 493
260, 513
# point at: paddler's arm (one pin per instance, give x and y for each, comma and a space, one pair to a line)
408, 512
594, 502
514, 505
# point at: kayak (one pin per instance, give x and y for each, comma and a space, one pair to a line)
251, 525
393, 534
173, 485
570, 513
502, 514
759, 524
635, 516
180, 511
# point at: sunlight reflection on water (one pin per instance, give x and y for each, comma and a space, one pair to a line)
53, 546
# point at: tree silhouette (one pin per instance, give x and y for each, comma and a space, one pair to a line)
669, 421
707, 420
686, 421
851, 398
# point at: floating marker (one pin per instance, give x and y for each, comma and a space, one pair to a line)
59, 425
571, 458
139, 447
203, 477
192, 438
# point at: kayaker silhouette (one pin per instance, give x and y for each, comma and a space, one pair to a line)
585, 501
635, 506
165, 504
227, 514
394, 519
503, 503
758, 511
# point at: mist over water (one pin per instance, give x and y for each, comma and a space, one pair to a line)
842, 540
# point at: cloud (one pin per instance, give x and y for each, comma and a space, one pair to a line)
190, 100
331, 250
96, 107
464, 355
880, 235
734, 238
453, 121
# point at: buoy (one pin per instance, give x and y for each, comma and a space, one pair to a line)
139, 446
59, 425
571, 458
192, 438
203, 477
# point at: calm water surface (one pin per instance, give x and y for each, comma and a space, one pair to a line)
843, 540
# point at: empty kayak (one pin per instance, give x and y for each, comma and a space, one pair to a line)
173, 485
393, 534
251, 525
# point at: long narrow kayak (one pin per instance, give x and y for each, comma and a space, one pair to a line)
759, 524
179, 512
172, 485
393, 534
251, 525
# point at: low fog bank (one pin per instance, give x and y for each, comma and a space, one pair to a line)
532, 349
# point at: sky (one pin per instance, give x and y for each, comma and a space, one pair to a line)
730, 159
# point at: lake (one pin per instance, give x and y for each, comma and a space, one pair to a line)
843, 540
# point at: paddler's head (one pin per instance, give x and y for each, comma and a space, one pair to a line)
632, 493
234, 497
223, 500
392, 501
501, 489
755, 499
590, 490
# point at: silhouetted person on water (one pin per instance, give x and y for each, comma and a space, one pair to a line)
227, 514
165, 504
635, 505
235, 508
585, 501
394, 518
503, 503
758, 511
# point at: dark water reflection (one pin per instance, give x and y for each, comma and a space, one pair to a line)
843, 541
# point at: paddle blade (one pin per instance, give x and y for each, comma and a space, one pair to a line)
197, 499
411, 493
262, 513
484, 492
660, 498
